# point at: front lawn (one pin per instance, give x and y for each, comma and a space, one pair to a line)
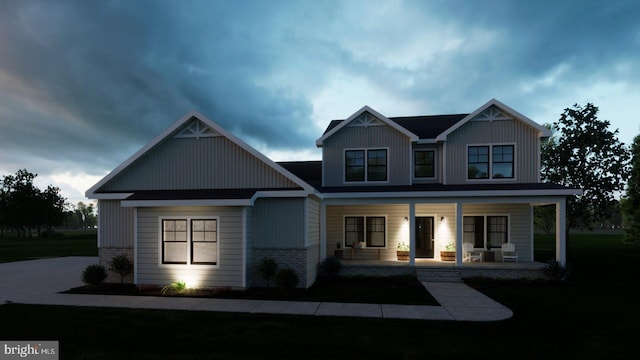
67, 243
351, 289
594, 316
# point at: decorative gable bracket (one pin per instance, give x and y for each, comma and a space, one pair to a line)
196, 129
491, 114
366, 120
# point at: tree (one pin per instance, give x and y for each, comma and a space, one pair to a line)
631, 201
24, 207
85, 213
585, 154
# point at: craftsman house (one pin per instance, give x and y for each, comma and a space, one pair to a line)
200, 205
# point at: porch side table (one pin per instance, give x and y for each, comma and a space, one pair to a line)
488, 256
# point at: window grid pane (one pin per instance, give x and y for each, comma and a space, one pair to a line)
375, 232
502, 166
478, 162
174, 238
204, 237
354, 230
497, 230
377, 165
424, 164
354, 165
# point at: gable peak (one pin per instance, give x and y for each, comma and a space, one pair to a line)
196, 129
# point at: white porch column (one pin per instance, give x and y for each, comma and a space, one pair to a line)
561, 235
458, 234
323, 231
412, 233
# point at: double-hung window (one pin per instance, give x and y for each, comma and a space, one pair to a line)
485, 231
190, 241
366, 165
424, 164
490, 161
369, 230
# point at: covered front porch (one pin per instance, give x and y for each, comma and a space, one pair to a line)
369, 232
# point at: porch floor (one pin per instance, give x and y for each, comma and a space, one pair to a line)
429, 263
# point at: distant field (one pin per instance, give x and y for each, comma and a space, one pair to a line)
69, 243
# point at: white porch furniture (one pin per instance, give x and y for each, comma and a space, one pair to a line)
470, 254
509, 252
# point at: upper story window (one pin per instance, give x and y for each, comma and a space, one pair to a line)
490, 161
366, 165
424, 164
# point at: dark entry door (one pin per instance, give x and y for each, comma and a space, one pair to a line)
424, 236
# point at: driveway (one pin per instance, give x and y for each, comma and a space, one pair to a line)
36, 280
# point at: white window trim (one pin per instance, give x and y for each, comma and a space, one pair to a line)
484, 235
491, 178
189, 243
364, 244
435, 165
366, 180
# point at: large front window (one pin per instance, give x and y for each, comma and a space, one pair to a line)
190, 241
366, 165
368, 230
492, 235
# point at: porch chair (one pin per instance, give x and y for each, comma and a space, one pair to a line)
470, 254
509, 252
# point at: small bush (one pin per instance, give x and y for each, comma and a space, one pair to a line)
286, 279
177, 287
122, 266
556, 270
331, 265
267, 269
94, 274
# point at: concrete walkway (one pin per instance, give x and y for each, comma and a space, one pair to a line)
40, 281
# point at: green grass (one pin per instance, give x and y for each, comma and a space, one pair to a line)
594, 316
68, 243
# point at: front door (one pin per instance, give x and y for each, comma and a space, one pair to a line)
424, 236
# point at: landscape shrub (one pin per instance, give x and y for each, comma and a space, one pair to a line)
122, 266
331, 265
286, 279
267, 269
557, 271
94, 274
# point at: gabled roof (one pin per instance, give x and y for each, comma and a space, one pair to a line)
94, 192
438, 127
364, 109
543, 131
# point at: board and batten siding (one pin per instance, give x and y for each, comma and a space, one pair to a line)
372, 137
227, 273
115, 225
313, 221
279, 223
204, 163
520, 224
525, 138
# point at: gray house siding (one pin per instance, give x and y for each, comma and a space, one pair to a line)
115, 228
205, 163
360, 137
228, 273
279, 223
524, 137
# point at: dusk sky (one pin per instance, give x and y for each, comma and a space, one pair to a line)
85, 84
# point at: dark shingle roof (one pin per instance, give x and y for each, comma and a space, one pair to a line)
425, 127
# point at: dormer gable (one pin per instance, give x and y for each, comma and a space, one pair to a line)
494, 110
365, 117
